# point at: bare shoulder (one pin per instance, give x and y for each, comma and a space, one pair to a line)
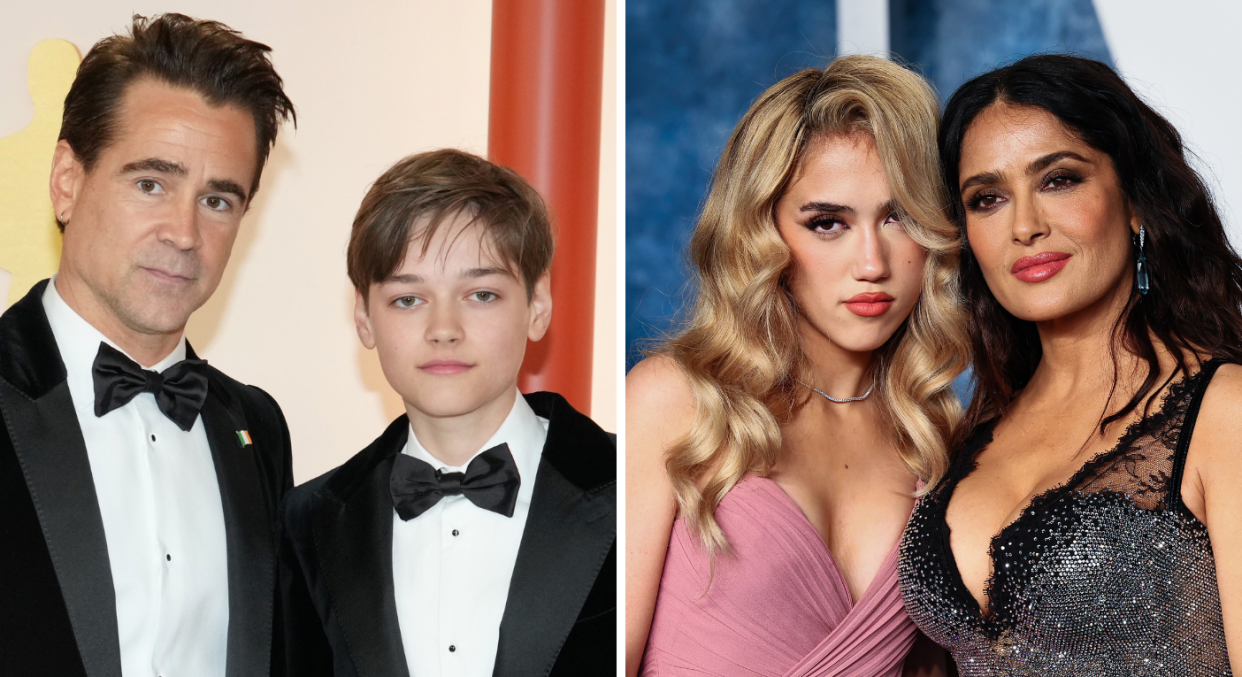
659, 403
1218, 430
657, 387
1229, 376
1222, 403
659, 411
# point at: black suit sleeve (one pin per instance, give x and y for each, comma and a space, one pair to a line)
306, 651
591, 648
279, 484
274, 462
280, 468
36, 636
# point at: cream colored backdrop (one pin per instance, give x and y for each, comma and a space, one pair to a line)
373, 81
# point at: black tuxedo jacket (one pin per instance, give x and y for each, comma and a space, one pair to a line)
57, 604
560, 617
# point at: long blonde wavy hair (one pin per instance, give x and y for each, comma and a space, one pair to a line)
739, 345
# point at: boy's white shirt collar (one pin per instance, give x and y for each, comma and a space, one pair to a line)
453, 565
78, 340
524, 431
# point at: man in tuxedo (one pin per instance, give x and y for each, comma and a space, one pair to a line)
477, 534
139, 486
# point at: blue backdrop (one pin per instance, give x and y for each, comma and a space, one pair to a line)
694, 66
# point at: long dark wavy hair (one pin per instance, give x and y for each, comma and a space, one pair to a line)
1194, 306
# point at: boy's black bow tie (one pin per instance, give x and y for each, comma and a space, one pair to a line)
491, 482
179, 390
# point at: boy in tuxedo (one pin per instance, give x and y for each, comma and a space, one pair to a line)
476, 535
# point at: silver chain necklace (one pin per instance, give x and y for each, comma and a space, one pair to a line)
839, 400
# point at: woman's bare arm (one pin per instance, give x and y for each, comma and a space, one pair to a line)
659, 411
1213, 491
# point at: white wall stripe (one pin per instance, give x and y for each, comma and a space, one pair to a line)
862, 27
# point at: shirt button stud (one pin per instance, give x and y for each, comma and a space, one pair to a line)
452, 648
168, 557
456, 532
153, 437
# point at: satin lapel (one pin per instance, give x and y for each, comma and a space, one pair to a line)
567, 536
248, 536
52, 453
353, 539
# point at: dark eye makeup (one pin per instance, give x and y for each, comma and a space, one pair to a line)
1061, 179
983, 200
830, 224
825, 224
1056, 180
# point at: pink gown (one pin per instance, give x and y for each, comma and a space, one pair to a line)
778, 607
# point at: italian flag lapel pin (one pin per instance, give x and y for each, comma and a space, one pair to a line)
243, 438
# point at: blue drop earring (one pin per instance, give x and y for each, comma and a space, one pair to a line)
1140, 275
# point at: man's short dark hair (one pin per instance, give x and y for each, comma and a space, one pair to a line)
436, 186
205, 57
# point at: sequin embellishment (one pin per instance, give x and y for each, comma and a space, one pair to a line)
1109, 574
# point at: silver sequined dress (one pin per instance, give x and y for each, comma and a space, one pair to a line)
1109, 574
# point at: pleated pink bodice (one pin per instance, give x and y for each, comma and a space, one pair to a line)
777, 607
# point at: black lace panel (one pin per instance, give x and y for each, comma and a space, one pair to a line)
1108, 574
1140, 466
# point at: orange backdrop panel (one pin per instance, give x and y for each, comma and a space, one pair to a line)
544, 122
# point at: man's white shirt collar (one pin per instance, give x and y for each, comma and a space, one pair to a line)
163, 520
524, 432
79, 341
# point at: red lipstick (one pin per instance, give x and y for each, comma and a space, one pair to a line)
445, 367
1039, 267
870, 304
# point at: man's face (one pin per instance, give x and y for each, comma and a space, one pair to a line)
150, 227
451, 327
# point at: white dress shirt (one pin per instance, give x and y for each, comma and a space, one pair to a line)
452, 564
162, 516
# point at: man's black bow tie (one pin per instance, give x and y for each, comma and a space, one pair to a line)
491, 482
179, 390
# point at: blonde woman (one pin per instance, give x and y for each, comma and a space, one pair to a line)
777, 442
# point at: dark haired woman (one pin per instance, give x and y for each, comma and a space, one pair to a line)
1091, 521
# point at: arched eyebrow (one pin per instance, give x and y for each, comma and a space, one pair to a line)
475, 273
171, 168
226, 186
980, 180
1036, 166
468, 274
826, 207
154, 164
1048, 160
833, 208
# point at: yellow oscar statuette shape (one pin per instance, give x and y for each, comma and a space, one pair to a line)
29, 239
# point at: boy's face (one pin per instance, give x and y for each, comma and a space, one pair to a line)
451, 327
